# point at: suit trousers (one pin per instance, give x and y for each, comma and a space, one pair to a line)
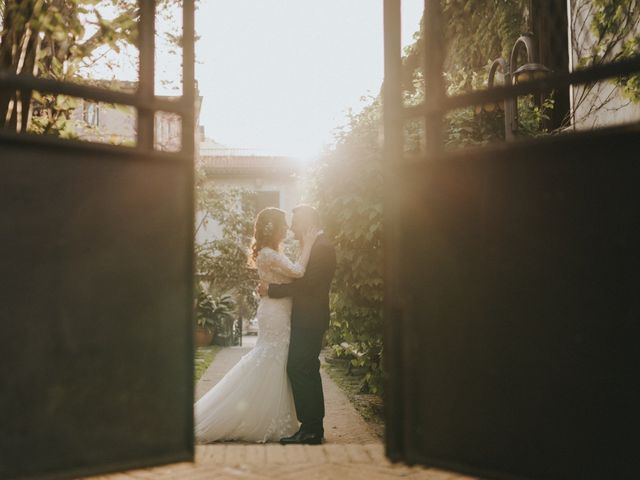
303, 368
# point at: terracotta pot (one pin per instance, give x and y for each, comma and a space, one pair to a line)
203, 337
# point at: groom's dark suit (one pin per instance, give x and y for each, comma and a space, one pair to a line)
309, 320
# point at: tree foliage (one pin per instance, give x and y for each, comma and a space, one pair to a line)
56, 39
347, 187
223, 263
52, 39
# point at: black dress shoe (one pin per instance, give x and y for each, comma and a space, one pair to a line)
302, 438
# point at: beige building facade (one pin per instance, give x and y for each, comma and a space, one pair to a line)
116, 124
275, 179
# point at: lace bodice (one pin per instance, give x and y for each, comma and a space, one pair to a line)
275, 267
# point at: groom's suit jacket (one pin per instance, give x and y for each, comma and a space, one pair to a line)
311, 292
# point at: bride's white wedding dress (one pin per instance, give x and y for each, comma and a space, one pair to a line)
253, 402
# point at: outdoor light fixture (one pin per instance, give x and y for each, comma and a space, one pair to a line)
531, 70
504, 66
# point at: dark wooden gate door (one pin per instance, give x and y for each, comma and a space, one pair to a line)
512, 299
96, 288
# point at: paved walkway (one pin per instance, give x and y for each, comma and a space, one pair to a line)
352, 450
342, 424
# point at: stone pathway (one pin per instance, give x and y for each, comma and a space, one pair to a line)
352, 450
222, 363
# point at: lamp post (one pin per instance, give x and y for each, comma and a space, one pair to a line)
531, 70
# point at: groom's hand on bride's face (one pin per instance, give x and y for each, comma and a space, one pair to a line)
263, 289
310, 236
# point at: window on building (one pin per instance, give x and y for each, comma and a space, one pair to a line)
91, 114
267, 199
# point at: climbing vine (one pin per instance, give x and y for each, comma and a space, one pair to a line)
347, 187
616, 29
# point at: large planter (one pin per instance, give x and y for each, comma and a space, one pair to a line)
203, 337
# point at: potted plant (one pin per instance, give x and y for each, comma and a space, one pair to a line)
205, 319
224, 309
214, 318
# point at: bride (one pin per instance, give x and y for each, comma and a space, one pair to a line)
253, 402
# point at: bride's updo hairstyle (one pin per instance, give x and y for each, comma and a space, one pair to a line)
270, 228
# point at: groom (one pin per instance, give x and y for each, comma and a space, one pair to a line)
309, 320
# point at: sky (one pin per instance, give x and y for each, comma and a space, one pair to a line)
280, 75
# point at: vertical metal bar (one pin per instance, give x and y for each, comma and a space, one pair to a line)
572, 91
188, 77
393, 148
433, 70
146, 45
392, 95
188, 150
509, 109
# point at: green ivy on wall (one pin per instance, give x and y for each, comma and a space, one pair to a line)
616, 28
347, 187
